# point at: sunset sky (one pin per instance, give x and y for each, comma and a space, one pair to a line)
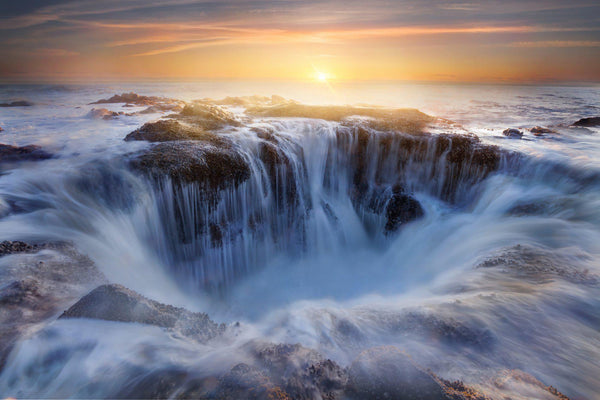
469, 41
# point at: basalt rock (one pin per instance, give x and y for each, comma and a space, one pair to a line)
540, 131
117, 303
588, 122
10, 153
401, 208
171, 130
20, 103
134, 98
211, 167
245, 382
14, 247
512, 133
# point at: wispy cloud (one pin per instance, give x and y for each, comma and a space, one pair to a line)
558, 43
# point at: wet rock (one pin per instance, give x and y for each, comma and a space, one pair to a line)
519, 384
388, 373
301, 372
10, 153
1, 129
457, 390
13, 247
588, 122
171, 130
540, 131
246, 101
245, 382
134, 98
103, 113
540, 264
19, 292
117, 303
20, 103
512, 133
35, 286
161, 384
401, 208
209, 166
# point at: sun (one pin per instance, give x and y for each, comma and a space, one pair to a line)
322, 76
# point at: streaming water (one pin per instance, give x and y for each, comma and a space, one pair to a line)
296, 260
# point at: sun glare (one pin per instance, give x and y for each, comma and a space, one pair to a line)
322, 76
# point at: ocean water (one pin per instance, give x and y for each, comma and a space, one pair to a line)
329, 283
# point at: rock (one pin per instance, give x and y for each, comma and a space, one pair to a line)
457, 390
1, 129
12, 247
401, 208
103, 113
20, 103
19, 292
207, 117
34, 287
388, 373
539, 264
539, 130
208, 166
171, 130
117, 303
519, 384
10, 153
161, 384
588, 122
512, 133
158, 108
245, 382
134, 98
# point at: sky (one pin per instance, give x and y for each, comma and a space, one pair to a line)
427, 40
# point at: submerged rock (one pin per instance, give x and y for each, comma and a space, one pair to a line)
388, 373
588, 122
10, 153
34, 287
103, 113
512, 133
20, 103
245, 382
539, 130
117, 303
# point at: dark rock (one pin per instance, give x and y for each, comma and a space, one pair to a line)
401, 208
588, 122
117, 303
388, 373
12, 247
539, 130
245, 382
208, 166
171, 130
10, 153
457, 390
512, 133
1, 129
518, 384
20, 103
